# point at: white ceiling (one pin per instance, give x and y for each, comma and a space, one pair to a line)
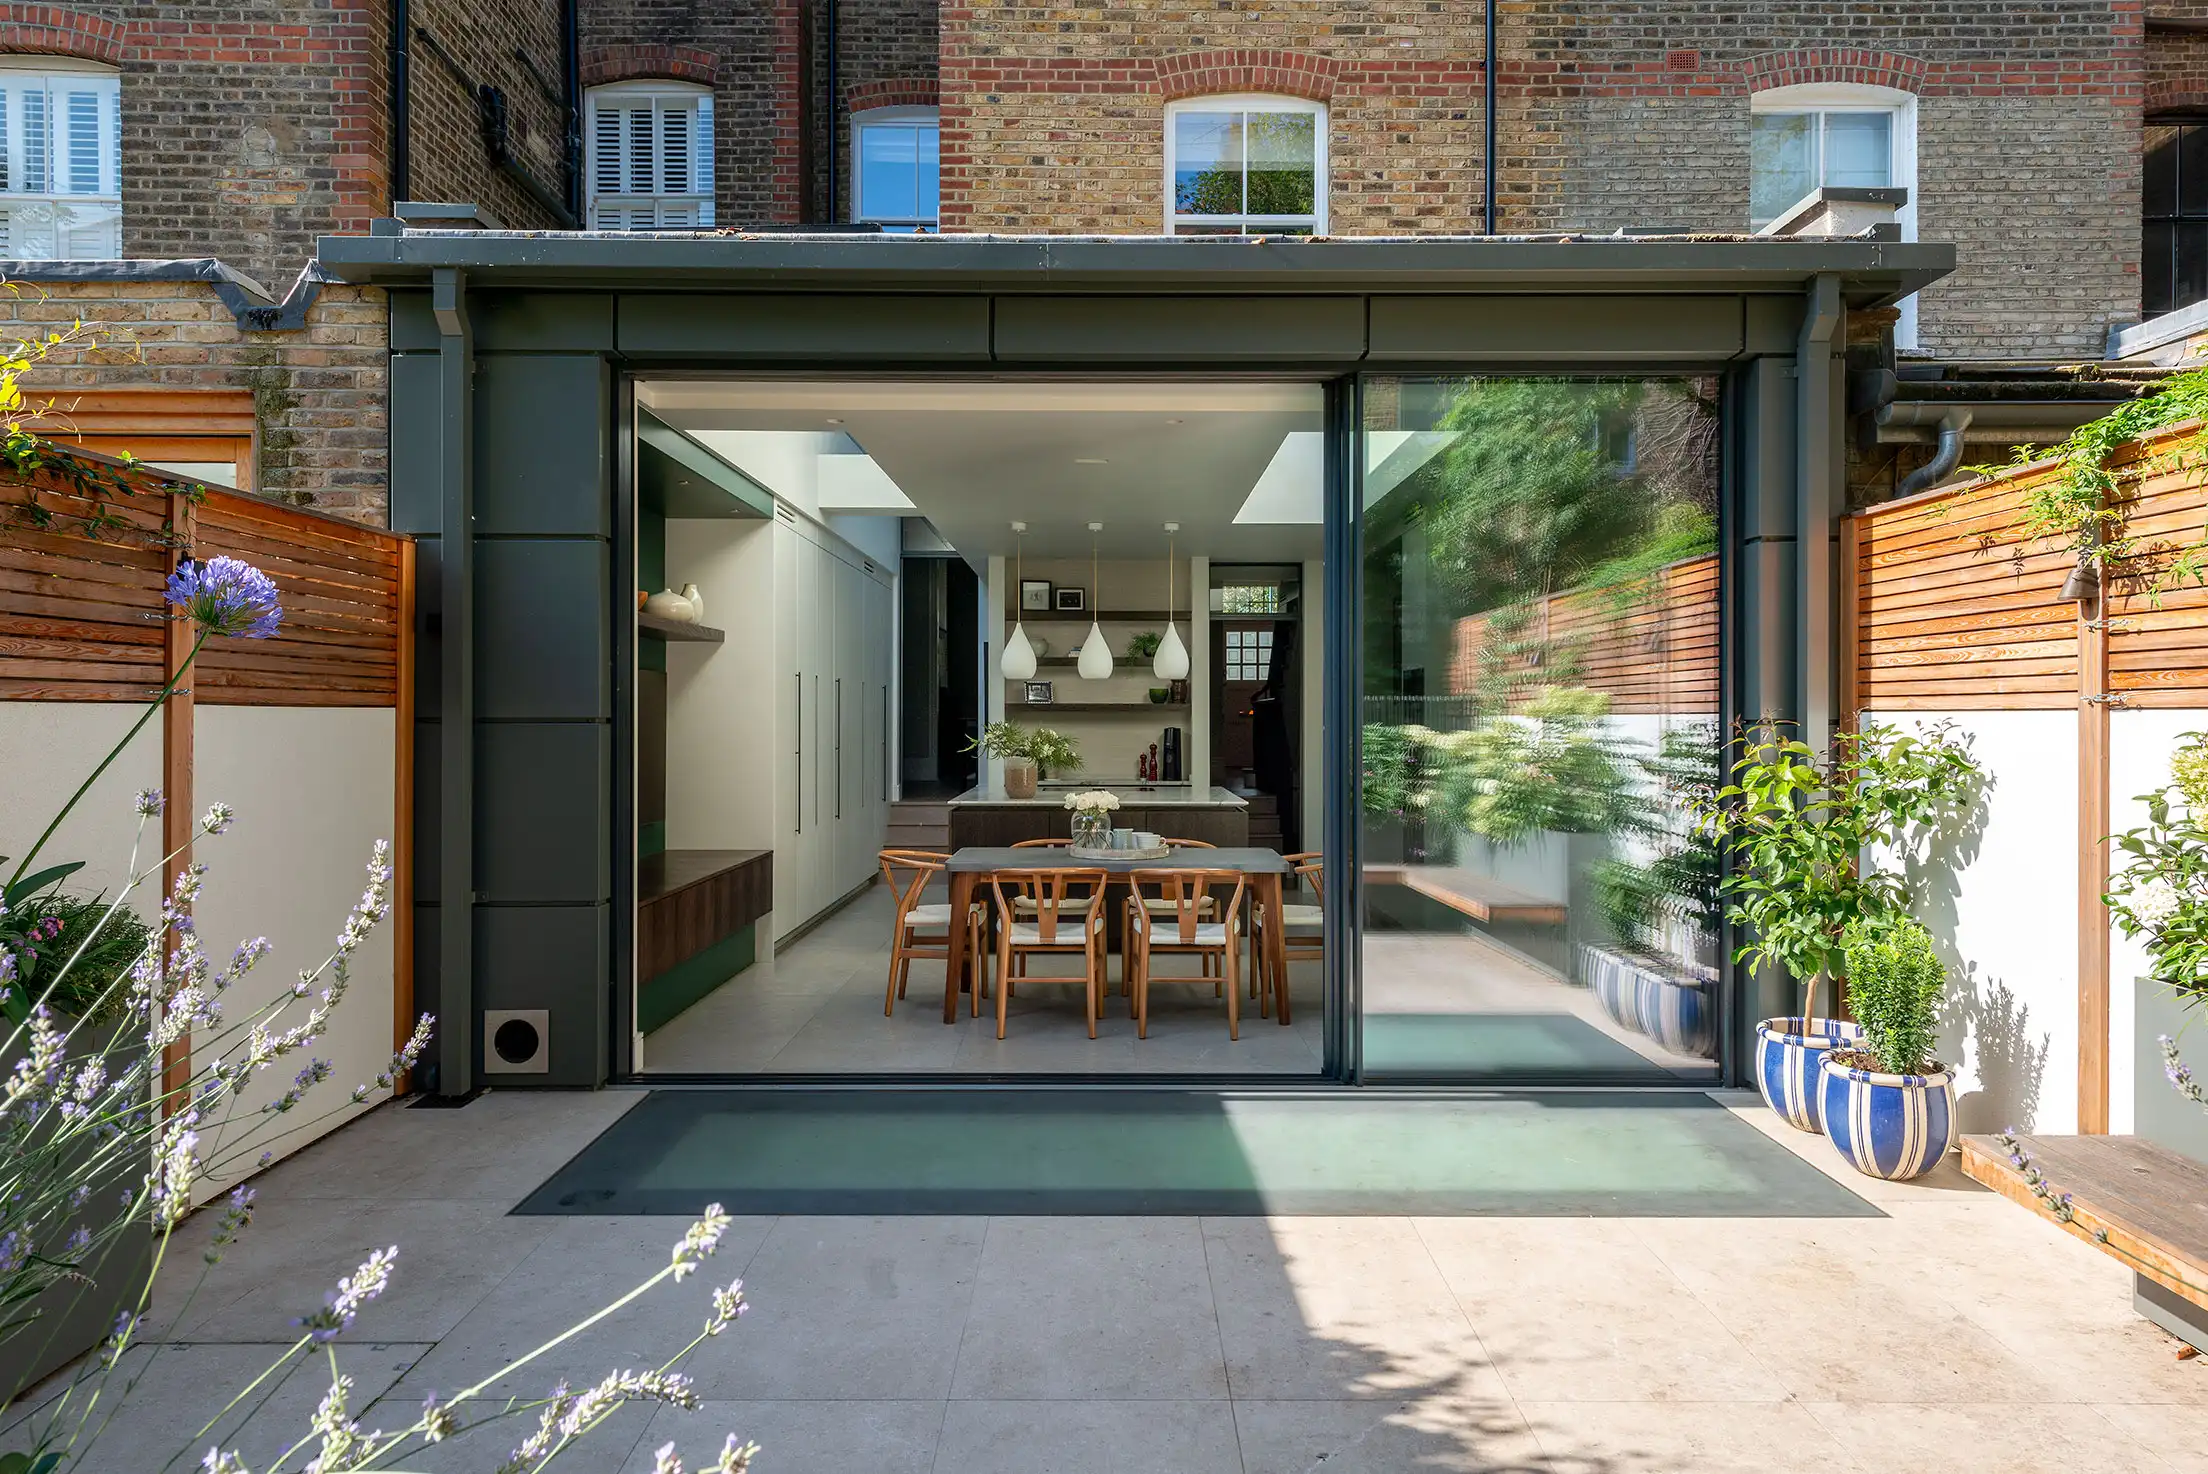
974, 455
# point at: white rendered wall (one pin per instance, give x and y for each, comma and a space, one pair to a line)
52, 746
2139, 748
2006, 923
314, 788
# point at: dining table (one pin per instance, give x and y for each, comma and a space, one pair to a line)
972, 866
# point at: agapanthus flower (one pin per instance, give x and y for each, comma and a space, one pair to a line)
227, 596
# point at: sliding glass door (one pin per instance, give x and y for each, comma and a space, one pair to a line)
1538, 637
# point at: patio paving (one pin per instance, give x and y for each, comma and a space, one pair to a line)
1955, 1331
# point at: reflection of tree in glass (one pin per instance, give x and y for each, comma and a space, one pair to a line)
1213, 191
1530, 499
1282, 163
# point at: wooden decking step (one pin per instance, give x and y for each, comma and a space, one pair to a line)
2150, 1202
1468, 892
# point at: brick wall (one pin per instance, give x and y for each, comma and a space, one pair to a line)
318, 393
885, 54
446, 156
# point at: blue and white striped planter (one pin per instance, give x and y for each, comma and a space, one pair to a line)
1789, 1055
1891, 1126
1677, 1012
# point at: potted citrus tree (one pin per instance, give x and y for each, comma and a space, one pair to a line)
1797, 826
1887, 1105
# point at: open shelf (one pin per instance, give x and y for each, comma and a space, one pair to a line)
1084, 616
652, 626
1090, 708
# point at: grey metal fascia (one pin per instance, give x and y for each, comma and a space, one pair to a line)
1872, 272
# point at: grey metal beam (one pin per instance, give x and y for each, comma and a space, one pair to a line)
456, 731
1817, 479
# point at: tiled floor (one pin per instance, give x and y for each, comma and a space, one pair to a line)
1957, 1333
817, 1009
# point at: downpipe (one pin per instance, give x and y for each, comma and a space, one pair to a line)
1944, 460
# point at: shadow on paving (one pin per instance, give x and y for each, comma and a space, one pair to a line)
1189, 1152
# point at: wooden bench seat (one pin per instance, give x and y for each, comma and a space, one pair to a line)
2150, 1202
1468, 893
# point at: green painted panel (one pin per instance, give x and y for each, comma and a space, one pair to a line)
651, 550
542, 457
542, 322
651, 839
1529, 329
805, 328
1207, 329
674, 990
678, 477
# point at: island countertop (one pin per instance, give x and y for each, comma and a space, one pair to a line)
1130, 796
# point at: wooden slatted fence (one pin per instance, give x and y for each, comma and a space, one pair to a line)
1651, 651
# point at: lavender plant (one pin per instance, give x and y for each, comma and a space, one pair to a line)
104, 1135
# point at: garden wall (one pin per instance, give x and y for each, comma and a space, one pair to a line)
307, 735
1956, 616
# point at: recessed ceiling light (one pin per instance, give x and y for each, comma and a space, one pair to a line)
1090, 461
834, 421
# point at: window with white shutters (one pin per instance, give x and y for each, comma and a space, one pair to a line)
651, 156
60, 165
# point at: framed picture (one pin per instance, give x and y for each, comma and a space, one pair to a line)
1038, 693
1073, 601
1035, 593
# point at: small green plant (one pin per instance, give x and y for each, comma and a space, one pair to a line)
1553, 769
1627, 898
1798, 826
1144, 645
1894, 984
83, 948
2161, 897
1051, 751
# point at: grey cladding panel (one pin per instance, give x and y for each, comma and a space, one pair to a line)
542, 322
413, 325
1774, 323
540, 445
554, 958
541, 612
542, 796
1767, 443
805, 328
429, 758
1535, 329
1208, 329
417, 445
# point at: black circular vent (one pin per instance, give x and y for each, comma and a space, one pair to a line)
517, 1041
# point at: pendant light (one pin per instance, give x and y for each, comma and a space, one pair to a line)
1171, 663
1018, 661
1095, 663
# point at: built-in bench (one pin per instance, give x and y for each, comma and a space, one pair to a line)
2141, 1203
1468, 893
696, 924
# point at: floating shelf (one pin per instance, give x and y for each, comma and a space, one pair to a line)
1085, 616
1088, 708
653, 627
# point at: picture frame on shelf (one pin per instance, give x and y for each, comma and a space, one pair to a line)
1038, 693
1035, 594
1070, 601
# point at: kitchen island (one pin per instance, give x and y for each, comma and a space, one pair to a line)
987, 816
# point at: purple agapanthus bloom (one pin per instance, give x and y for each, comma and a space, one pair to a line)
226, 596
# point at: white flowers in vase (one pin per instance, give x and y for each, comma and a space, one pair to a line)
1095, 801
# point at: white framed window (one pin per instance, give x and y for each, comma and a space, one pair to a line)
61, 191
651, 156
1842, 134
1245, 166
896, 169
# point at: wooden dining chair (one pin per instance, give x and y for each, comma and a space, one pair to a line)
1068, 917
922, 929
1181, 928
1302, 926
1158, 906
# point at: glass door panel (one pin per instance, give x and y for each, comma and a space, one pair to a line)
1539, 619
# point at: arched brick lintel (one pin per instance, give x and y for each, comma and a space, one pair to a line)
1248, 69
893, 92
1835, 64
54, 30
2170, 99
627, 63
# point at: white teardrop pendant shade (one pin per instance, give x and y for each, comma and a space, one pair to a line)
1095, 663
1172, 661
1018, 663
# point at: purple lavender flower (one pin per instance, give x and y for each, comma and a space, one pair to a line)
150, 803
226, 596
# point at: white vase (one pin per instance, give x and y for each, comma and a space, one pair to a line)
669, 605
696, 601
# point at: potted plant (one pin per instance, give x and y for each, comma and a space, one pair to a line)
1144, 645
2160, 900
1888, 1106
1797, 826
1027, 754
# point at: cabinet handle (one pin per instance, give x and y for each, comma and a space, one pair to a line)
797, 767
839, 747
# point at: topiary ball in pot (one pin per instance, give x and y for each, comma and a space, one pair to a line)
1790, 1052
1888, 1105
